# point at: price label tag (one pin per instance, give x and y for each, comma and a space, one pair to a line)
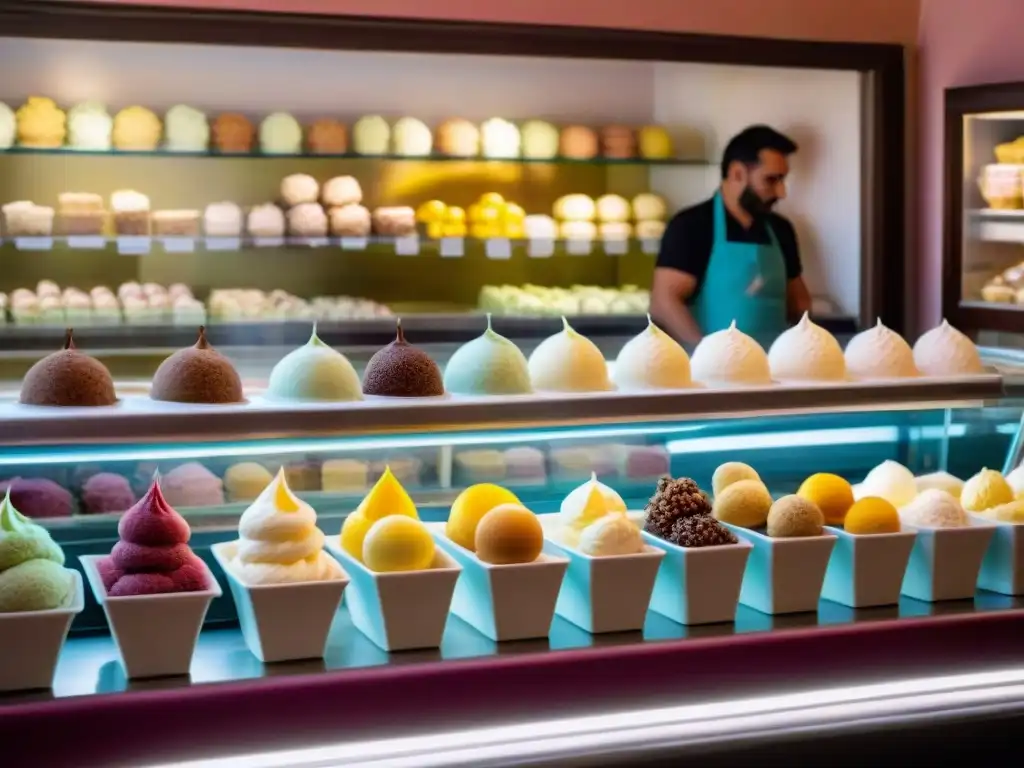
579, 247
133, 245
316, 242
616, 246
650, 245
354, 243
179, 245
223, 243
407, 246
87, 242
452, 247
33, 243
498, 248
540, 249
268, 242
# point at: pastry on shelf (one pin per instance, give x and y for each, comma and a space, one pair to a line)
494, 216
394, 221
299, 188
578, 142
80, 213
618, 142
265, 220
188, 311
47, 288
654, 143
575, 207
23, 218
1001, 187
307, 220
24, 307
371, 135
136, 129
534, 300
539, 226
90, 127
998, 294
178, 290
612, 209
577, 230
327, 136
280, 134
649, 230
615, 230
222, 220
77, 307
186, 129
649, 207
458, 137
344, 476
500, 139
131, 212
442, 220
41, 123
8, 126
540, 140
351, 220
183, 223
51, 310
106, 309
1011, 153
411, 138
233, 133
340, 190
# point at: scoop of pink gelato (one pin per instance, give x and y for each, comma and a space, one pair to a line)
38, 497
153, 556
107, 492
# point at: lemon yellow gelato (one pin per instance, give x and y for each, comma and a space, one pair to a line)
41, 123
279, 542
397, 543
1006, 513
654, 143
387, 497
568, 362
870, 516
985, 490
469, 509
136, 128
832, 494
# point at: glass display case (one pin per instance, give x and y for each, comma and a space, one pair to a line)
149, 187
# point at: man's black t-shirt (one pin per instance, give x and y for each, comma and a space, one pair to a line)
690, 235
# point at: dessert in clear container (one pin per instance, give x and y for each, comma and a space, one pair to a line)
130, 210
192, 485
246, 480
107, 492
183, 223
23, 218
80, 213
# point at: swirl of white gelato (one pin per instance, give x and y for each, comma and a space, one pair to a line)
879, 353
279, 540
729, 358
945, 351
90, 126
806, 352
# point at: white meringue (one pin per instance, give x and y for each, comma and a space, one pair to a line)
945, 351
728, 358
879, 353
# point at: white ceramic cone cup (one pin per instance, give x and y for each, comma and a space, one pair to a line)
867, 570
1002, 568
784, 575
606, 594
156, 635
399, 611
283, 622
31, 642
698, 585
945, 562
504, 602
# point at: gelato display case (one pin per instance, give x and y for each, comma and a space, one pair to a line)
148, 187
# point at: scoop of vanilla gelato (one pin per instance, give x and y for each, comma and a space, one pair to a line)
806, 352
891, 481
652, 360
730, 358
568, 362
945, 351
879, 353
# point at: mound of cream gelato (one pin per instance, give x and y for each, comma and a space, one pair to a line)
568, 362
488, 365
582, 508
90, 127
186, 129
280, 134
314, 372
279, 542
652, 360
500, 139
371, 135
730, 358
945, 351
806, 352
934, 509
891, 481
879, 353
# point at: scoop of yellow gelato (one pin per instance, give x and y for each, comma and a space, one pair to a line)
41, 123
137, 128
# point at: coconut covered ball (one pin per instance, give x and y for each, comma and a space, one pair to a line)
794, 517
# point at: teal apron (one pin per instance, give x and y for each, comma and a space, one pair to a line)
745, 282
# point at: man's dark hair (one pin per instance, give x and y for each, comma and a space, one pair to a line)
745, 147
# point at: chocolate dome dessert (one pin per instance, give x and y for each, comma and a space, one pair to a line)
198, 374
68, 378
402, 370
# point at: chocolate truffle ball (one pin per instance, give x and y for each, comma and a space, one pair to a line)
680, 513
197, 374
38, 497
68, 378
402, 370
233, 132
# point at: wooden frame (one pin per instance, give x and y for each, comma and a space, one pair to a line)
960, 103
883, 264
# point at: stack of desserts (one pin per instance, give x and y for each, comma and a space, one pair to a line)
250, 304
23, 218
575, 300
80, 214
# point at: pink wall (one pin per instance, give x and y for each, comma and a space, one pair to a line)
893, 21
962, 42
